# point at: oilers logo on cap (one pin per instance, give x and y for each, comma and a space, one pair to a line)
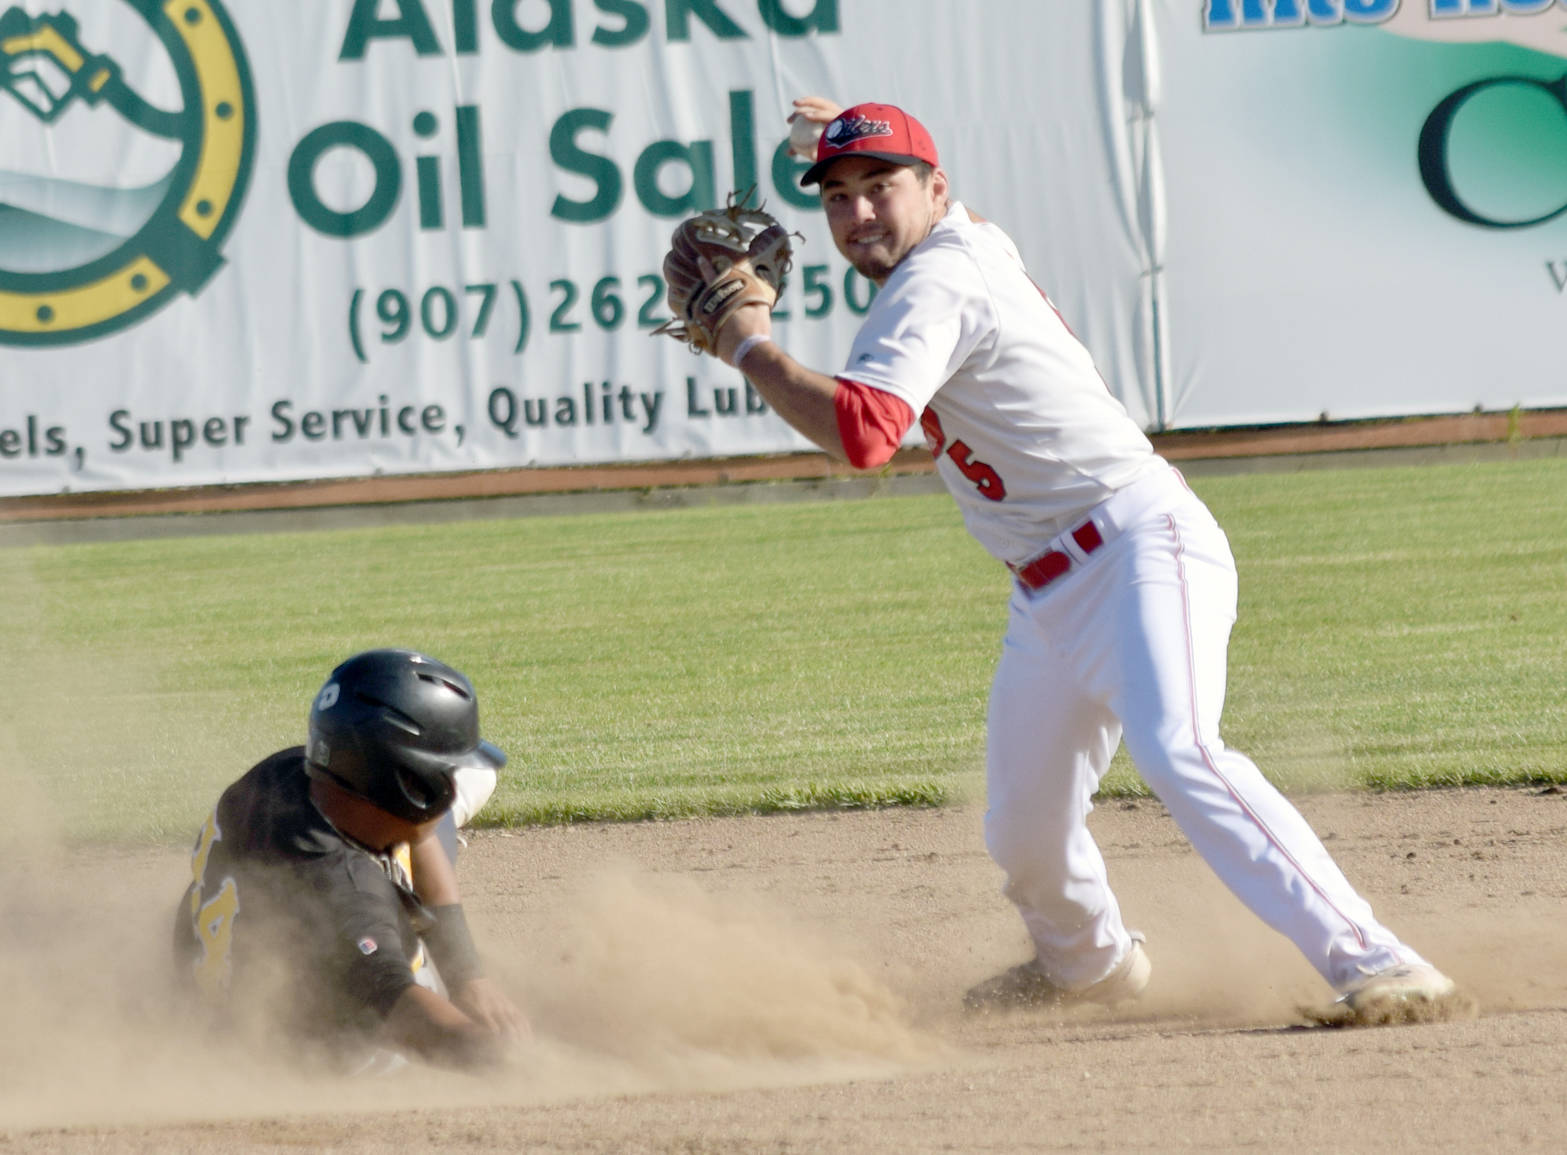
873, 130
847, 129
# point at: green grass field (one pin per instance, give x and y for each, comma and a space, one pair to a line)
1399, 628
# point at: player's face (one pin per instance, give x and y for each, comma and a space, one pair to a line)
878, 211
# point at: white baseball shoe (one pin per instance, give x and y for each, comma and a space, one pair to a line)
1394, 988
1025, 986
1398, 994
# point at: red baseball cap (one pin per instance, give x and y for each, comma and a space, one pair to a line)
878, 130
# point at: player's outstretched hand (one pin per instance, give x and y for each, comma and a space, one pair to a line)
811, 114
487, 1005
438, 1031
816, 109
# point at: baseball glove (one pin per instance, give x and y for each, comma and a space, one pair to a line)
747, 255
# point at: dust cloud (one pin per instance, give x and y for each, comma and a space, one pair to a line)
695, 989
653, 988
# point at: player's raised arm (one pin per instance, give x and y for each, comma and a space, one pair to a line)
851, 422
884, 192
801, 396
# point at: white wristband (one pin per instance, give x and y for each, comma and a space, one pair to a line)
746, 346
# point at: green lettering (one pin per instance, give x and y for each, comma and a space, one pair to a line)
742, 138
465, 26
411, 23
302, 183
280, 414
558, 32
698, 159
565, 152
427, 175
635, 26
822, 18
470, 166
677, 20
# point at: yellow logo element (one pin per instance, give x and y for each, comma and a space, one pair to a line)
79, 260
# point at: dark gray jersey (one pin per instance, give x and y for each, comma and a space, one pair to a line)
288, 923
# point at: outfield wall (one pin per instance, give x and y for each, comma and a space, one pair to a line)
263, 241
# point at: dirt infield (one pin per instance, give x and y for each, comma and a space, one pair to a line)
790, 984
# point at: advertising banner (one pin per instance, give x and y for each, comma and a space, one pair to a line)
1367, 205
271, 240
259, 240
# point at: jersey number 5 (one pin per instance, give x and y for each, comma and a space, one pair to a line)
985, 479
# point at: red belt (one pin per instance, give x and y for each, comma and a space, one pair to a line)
1044, 569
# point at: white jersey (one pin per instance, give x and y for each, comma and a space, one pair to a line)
1026, 435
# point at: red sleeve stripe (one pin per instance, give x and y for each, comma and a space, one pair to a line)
871, 423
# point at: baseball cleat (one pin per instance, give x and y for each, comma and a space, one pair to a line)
1402, 993
1026, 986
1402, 984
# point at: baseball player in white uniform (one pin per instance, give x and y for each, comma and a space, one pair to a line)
1124, 588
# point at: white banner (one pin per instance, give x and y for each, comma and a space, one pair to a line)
266, 240
1367, 206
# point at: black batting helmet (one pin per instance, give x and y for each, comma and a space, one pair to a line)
392, 726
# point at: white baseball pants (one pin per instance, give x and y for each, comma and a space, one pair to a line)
1131, 644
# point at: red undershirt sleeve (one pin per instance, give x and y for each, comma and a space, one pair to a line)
871, 423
